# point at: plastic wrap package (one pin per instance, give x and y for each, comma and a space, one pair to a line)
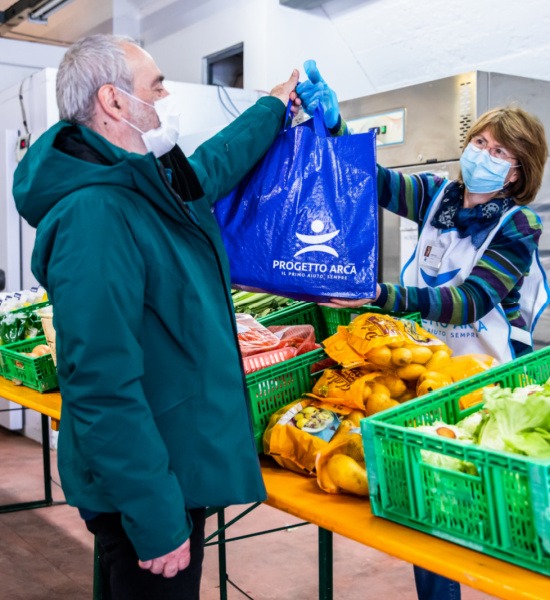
18, 314
301, 337
297, 431
257, 362
293, 341
346, 387
254, 337
19, 325
340, 465
11, 301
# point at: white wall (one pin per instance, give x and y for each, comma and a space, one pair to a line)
39, 99
366, 46
19, 60
361, 46
38, 92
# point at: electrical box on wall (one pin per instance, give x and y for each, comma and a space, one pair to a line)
226, 67
389, 126
23, 143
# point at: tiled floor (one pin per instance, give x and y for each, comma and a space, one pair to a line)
47, 554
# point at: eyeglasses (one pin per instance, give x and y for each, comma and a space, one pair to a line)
495, 152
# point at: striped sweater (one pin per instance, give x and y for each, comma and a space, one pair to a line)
496, 278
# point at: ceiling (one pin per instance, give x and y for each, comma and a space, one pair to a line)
65, 26
145, 20
139, 18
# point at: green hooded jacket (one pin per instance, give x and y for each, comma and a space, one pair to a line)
155, 417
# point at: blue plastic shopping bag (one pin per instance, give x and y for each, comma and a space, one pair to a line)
304, 222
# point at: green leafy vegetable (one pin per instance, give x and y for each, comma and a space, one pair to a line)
516, 420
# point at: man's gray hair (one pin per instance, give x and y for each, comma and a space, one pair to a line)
88, 64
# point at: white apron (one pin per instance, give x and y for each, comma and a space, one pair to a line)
441, 258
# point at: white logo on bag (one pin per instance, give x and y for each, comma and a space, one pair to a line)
316, 243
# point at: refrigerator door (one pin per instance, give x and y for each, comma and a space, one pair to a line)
10, 222
11, 417
424, 123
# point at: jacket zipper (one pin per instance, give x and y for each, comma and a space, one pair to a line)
192, 216
186, 208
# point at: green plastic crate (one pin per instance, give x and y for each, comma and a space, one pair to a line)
37, 373
504, 511
31, 307
24, 310
2, 369
333, 317
279, 385
299, 313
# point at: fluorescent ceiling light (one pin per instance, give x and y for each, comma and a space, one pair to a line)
41, 14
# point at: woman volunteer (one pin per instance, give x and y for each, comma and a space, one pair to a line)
475, 275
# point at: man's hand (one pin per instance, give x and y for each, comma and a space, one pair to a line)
287, 91
170, 564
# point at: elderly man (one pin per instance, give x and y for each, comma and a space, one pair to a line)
155, 423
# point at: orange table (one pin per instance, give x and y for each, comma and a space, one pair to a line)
345, 515
48, 405
351, 517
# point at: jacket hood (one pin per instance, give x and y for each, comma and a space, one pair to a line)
51, 170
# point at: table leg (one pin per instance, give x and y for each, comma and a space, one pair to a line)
222, 557
46, 462
325, 564
48, 499
222, 540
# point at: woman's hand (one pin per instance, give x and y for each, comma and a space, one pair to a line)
315, 92
342, 303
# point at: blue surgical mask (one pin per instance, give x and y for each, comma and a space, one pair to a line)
481, 172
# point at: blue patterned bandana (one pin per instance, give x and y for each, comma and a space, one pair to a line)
476, 222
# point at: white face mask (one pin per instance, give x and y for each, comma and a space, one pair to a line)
163, 138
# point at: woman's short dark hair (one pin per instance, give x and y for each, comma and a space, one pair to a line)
523, 135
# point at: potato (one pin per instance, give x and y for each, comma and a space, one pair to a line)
411, 372
40, 350
348, 474
401, 357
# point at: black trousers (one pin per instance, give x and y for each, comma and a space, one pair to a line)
123, 579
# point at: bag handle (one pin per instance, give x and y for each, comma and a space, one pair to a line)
287, 123
317, 119
319, 122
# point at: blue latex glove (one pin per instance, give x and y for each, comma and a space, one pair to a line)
315, 92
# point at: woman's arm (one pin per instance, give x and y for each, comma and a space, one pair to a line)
407, 195
500, 269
